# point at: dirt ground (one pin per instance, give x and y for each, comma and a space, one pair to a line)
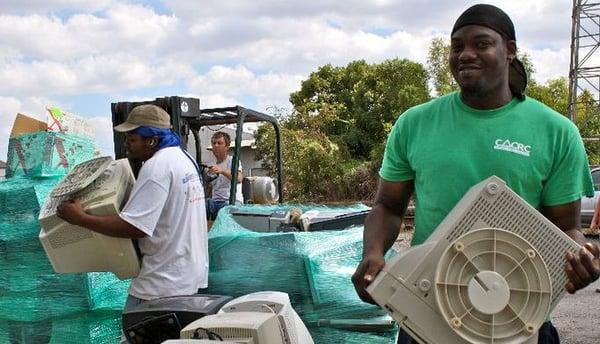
577, 316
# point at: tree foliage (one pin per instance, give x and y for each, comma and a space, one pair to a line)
339, 125
555, 94
352, 105
310, 161
333, 139
438, 68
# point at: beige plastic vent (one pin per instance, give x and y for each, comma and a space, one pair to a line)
239, 327
492, 285
81, 176
490, 273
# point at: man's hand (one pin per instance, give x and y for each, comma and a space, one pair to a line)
583, 267
215, 169
595, 224
365, 273
381, 231
71, 211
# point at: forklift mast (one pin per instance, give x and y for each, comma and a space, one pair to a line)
187, 117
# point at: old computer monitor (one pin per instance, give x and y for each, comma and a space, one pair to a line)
103, 186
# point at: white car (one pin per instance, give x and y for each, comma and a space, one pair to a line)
589, 203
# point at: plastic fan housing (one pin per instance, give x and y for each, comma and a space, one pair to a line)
490, 273
491, 285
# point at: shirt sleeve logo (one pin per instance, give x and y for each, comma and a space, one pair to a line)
513, 147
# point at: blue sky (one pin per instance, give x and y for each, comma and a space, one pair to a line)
81, 55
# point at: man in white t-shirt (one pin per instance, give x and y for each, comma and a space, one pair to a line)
165, 211
221, 184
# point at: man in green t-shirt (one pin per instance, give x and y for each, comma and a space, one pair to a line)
439, 149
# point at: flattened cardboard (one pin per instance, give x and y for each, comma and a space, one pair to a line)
24, 124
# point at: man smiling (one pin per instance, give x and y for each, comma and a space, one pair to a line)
440, 149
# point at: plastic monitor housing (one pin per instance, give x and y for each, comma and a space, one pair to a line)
197, 341
259, 190
293, 329
103, 186
239, 327
491, 272
188, 308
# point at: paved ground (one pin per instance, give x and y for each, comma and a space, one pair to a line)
577, 316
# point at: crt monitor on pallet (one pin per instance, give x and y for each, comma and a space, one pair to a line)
292, 327
241, 327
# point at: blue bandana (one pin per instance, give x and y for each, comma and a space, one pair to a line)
166, 137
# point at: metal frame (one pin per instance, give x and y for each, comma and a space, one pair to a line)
238, 115
195, 118
585, 41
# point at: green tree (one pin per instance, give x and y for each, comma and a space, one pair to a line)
351, 105
587, 119
311, 162
555, 94
438, 67
335, 135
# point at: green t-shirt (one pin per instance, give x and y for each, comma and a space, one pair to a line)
447, 147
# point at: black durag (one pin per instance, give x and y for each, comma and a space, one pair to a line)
497, 20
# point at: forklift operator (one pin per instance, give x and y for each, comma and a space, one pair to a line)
221, 184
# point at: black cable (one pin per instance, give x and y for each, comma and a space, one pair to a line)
210, 334
215, 130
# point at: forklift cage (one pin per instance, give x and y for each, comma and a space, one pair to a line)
187, 116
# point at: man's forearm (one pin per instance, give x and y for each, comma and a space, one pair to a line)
112, 225
381, 230
227, 175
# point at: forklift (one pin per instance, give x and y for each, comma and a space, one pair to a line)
187, 117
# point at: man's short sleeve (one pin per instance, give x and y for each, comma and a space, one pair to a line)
570, 178
145, 205
395, 166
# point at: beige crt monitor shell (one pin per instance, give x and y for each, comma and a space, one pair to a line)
197, 341
277, 302
239, 327
72, 248
491, 272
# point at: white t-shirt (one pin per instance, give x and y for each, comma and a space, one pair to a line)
222, 185
167, 203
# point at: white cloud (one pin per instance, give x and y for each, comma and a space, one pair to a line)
92, 74
215, 100
269, 89
104, 134
228, 52
550, 64
122, 28
51, 6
